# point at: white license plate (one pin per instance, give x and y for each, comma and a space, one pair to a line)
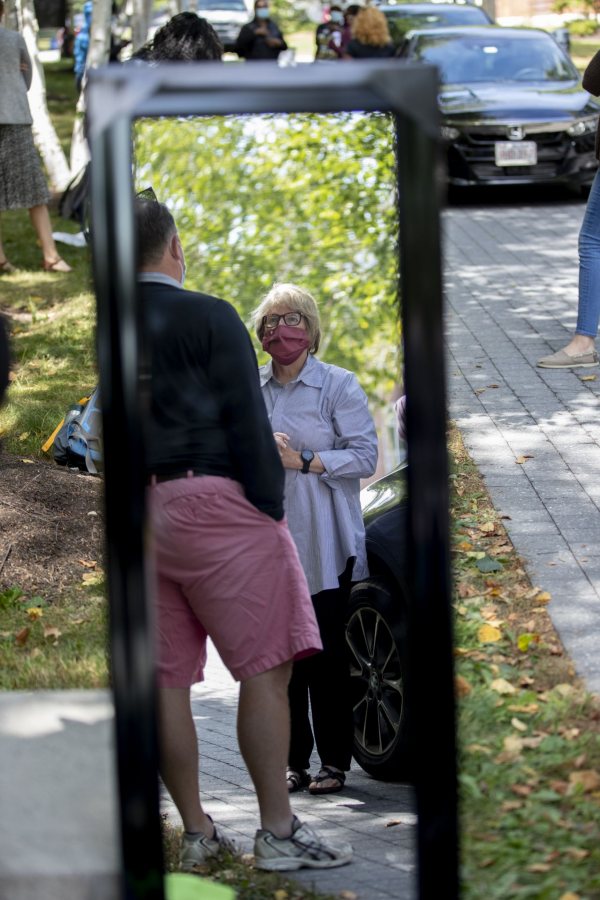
516, 153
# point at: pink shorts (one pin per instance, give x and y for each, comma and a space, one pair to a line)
226, 570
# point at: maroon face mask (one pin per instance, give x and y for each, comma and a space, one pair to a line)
286, 343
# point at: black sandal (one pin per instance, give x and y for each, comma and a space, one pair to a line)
297, 780
327, 774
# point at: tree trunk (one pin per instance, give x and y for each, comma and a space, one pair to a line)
44, 135
140, 26
98, 53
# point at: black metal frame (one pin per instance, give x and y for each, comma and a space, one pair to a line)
116, 96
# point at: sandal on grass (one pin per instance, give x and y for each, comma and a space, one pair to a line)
327, 774
56, 265
297, 780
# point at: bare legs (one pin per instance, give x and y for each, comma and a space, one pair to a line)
40, 219
264, 738
263, 734
179, 757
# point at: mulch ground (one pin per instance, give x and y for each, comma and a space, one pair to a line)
49, 518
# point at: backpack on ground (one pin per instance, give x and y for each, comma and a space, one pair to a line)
78, 441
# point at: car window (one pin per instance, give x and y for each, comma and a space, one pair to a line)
475, 59
401, 21
230, 5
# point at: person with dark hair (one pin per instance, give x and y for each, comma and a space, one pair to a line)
22, 182
225, 562
186, 37
329, 35
260, 38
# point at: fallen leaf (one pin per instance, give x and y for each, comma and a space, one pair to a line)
24, 435
348, 895
524, 641
510, 805
78, 621
487, 564
28, 461
516, 723
88, 563
539, 867
280, 895
525, 708
479, 390
587, 377
558, 786
21, 636
478, 748
462, 687
488, 527
501, 686
34, 612
92, 512
588, 779
513, 743
580, 760
543, 597
91, 578
488, 634
52, 633
577, 852
493, 385
521, 790
564, 689
569, 896
523, 458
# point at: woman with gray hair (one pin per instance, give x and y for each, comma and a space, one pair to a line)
327, 443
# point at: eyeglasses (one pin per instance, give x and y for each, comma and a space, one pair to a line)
292, 318
147, 194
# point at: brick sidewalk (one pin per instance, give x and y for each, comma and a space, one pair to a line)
383, 866
511, 286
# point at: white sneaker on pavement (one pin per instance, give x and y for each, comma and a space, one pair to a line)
198, 850
304, 849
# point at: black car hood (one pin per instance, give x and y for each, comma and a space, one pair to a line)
506, 101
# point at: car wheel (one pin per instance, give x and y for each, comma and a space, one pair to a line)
376, 639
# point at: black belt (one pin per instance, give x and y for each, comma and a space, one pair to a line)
171, 476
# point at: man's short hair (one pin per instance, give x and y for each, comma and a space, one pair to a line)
155, 226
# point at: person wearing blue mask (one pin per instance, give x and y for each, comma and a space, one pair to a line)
329, 35
261, 38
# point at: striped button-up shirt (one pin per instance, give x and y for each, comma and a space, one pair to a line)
325, 410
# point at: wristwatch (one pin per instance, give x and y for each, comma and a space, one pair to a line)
307, 457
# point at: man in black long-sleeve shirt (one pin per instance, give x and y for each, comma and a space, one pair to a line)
226, 565
261, 38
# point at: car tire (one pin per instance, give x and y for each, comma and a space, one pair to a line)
376, 642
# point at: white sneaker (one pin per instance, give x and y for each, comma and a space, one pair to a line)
197, 851
303, 849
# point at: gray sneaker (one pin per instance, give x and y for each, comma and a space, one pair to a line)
562, 360
197, 851
304, 849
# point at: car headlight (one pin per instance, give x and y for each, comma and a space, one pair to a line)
449, 133
583, 126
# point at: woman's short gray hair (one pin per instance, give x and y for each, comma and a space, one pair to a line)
298, 300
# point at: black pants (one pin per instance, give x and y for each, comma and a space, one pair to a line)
325, 677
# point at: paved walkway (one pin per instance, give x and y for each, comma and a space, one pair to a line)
511, 285
376, 818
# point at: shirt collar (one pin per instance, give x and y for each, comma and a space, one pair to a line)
312, 373
159, 277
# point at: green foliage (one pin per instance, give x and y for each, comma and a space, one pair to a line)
583, 27
302, 198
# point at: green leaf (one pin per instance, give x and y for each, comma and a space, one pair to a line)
487, 564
